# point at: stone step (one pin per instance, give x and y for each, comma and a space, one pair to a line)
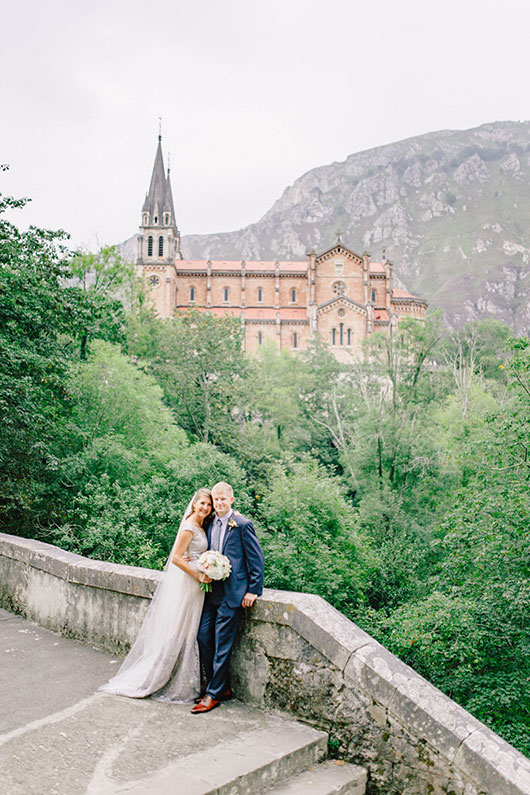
241, 766
59, 736
331, 777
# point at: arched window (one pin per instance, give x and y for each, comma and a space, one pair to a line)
192, 293
225, 294
160, 246
295, 340
260, 337
334, 336
150, 246
260, 296
373, 296
145, 219
167, 217
349, 336
155, 219
293, 296
341, 332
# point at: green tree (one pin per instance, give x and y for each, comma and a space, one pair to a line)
41, 314
120, 425
478, 347
469, 634
35, 311
311, 540
198, 361
129, 471
102, 279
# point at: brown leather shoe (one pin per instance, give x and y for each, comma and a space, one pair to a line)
226, 695
205, 705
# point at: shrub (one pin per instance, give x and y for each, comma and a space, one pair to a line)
310, 539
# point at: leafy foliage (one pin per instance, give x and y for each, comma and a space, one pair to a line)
198, 367
397, 487
36, 314
311, 538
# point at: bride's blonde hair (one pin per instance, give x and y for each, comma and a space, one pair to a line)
203, 492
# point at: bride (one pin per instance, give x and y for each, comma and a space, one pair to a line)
164, 660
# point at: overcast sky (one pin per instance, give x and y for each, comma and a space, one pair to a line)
252, 94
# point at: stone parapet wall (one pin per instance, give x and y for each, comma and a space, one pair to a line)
102, 603
294, 653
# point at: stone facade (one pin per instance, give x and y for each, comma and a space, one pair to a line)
297, 654
338, 294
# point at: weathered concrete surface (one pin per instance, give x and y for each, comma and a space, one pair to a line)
297, 654
42, 673
333, 777
60, 737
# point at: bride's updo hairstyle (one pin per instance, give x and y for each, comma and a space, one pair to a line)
201, 493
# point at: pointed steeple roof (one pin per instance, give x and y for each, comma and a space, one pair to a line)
159, 198
169, 196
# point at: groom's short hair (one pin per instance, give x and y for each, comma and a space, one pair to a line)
223, 487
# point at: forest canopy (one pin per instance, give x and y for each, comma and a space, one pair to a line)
396, 486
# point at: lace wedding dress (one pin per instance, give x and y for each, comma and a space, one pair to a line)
164, 660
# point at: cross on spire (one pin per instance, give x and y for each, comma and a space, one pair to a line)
160, 128
338, 232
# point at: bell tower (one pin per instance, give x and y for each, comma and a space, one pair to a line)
159, 238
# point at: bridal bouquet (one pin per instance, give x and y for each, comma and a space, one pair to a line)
215, 565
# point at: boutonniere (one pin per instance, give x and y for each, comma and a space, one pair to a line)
232, 523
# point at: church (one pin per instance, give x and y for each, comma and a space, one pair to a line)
340, 295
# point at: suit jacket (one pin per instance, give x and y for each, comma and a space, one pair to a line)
243, 550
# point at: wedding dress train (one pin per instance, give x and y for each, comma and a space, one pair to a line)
164, 660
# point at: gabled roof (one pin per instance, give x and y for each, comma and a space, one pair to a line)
340, 249
377, 267
381, 316
338, 299
403, 295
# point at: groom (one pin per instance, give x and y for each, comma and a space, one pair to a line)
234, 536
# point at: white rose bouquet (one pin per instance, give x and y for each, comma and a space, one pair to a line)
214, 565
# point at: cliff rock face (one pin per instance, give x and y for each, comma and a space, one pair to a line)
452, 209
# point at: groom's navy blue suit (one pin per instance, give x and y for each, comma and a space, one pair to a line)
222, 605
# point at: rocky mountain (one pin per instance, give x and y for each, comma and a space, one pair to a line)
452, 209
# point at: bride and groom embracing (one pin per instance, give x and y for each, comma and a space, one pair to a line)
182, 620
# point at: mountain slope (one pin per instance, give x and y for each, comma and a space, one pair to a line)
452, 209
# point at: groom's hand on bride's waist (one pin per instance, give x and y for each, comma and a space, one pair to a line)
249, 599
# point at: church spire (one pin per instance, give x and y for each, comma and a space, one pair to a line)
169, 194
156, 199
159, 235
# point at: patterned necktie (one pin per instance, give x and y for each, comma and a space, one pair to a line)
216, 535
